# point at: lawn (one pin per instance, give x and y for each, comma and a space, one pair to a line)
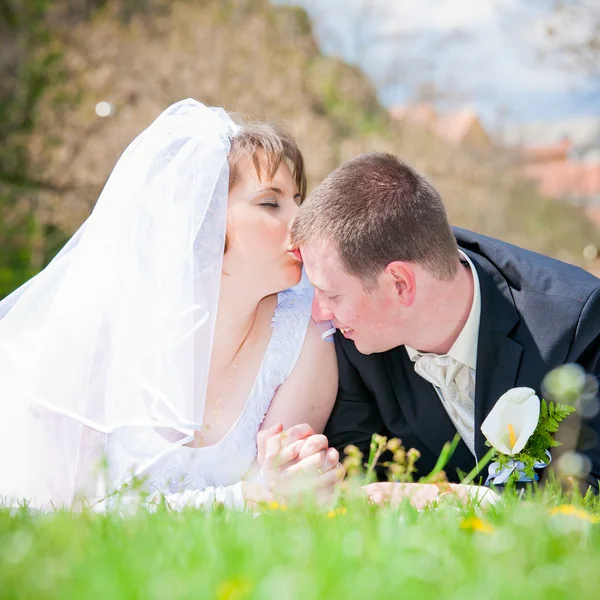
541, 546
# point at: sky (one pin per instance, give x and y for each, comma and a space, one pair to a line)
482, 54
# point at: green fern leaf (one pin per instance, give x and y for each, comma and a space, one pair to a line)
563, 411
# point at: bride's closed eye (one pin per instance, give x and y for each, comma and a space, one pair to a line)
270, 204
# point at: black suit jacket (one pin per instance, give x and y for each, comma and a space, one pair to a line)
536, 313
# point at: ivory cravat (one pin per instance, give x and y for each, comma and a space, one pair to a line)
455, 384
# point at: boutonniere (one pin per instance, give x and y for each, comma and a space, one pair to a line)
521, 429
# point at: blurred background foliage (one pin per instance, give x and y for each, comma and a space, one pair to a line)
59, 59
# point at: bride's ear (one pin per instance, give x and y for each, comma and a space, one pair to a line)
401, 276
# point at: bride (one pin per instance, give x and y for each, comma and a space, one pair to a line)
170, 330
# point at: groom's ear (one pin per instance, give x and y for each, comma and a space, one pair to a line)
401, 275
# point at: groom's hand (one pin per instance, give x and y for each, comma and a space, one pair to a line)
299, 455
278, 449
317, 467
424, 495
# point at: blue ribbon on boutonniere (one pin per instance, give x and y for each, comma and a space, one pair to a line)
499, 476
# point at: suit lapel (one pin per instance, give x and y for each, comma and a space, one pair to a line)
498, 360
498, 356
423, 409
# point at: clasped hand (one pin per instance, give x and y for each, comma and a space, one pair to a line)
298, 461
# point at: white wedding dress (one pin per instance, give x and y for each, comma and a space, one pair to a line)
199, 471
105, 354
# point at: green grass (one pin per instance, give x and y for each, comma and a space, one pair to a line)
362, 552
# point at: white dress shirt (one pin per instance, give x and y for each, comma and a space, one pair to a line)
453, 374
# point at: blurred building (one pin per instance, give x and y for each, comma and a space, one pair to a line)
460, 128
561, 176
583, 134
563, 157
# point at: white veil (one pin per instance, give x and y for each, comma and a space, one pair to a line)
117, 330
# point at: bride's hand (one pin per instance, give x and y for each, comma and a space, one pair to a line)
278, 449
298, 452
318, 464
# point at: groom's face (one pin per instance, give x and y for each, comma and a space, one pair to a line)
369, 318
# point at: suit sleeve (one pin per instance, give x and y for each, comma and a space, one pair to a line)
355, 416
586, 352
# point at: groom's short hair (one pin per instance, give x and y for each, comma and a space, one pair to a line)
376, 209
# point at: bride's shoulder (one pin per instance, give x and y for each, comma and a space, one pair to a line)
301, 291
316, 337
295, 306
295, 302
308, 393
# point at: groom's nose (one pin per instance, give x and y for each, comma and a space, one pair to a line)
319, 311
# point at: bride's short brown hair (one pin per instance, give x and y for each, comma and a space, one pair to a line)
275, 141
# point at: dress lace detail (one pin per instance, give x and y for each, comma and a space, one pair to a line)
226, 462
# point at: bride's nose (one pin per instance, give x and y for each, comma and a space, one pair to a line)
293, 213
290, 225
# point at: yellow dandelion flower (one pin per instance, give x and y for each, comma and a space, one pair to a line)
274, 505
331, 514
234, 589
574, 511
476, 524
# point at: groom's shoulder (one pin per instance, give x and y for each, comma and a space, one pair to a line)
529, 271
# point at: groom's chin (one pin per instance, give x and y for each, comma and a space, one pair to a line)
369, 348
366, 350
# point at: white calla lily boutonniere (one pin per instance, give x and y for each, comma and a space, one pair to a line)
512, 421
520, 430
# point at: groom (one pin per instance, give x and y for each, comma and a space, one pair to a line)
434, 324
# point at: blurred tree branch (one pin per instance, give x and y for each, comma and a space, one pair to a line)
29, 64
371, 35
361, 39
573, 35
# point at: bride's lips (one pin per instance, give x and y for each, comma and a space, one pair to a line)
297, 254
